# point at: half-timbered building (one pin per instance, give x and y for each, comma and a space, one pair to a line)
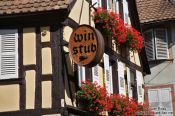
37, 75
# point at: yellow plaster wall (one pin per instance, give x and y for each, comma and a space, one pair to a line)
46, 61
101, 75
134, 57
46, 94
137, 59
67, 33
45, 34
76, 15
30, 89
9, 98
29, 46
85, 13
67, 99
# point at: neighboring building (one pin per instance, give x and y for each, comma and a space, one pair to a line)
37, 76
157, 19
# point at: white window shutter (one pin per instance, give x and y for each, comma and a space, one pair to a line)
95, 74
8, 54
108, 77
129, 82
121, 78
139, 78
161, 43
126, 18
149, 45
111, 80
125, 11
81, 75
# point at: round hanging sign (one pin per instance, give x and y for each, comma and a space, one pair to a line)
86, 46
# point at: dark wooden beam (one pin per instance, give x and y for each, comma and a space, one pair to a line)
56, 50
45, 44
11, 81
38, 97
21, 69
29, 67
47, 77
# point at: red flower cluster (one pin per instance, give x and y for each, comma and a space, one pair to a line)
110, 24
120, 105
93, 96
96, 99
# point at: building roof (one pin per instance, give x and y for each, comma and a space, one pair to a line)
155, 10
8, 7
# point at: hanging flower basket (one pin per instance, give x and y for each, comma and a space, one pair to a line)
111, 25
120, 105
92, 97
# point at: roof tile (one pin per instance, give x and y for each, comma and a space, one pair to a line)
155, 10
25, 6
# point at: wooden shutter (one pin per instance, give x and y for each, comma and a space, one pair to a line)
8, 54
161, 43
95, 74
81, 74
149, 45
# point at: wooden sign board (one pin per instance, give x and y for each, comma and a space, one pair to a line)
86, 46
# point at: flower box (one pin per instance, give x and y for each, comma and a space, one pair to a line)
112, 26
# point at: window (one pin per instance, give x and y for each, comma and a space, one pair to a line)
133, 84
104, 4
8, 54
156, 44
160, 101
